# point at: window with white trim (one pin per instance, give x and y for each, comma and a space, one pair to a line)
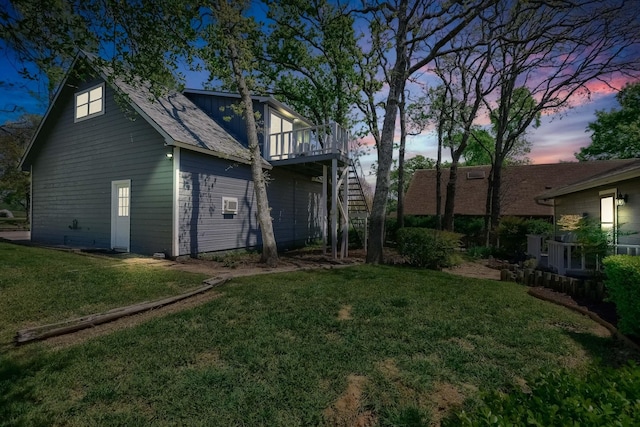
90, 103
123, 201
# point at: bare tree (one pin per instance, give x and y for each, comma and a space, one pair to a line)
465, 81
413, 34
546, 55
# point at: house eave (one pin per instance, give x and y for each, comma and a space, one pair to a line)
591, 183
209, 152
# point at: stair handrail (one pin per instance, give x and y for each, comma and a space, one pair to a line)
359, 172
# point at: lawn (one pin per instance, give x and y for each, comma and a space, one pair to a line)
377, 345
40, 286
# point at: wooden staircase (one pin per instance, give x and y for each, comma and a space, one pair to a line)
359, 209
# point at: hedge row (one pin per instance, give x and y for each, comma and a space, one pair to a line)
623, 285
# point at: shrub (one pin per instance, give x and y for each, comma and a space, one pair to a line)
623, 285
603, 397
480, 252
472, 227
391, 226
512, 232
429, 248
595, 241
355, 239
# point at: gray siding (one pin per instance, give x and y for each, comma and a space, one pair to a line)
74, 166
295, 202
219, 108
588, 202
204, 180
629, 214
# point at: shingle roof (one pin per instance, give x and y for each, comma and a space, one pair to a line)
181, 121
173, 115
521, 184
620, 173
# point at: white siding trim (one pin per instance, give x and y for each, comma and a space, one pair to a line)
175, 250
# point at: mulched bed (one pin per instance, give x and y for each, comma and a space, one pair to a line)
603, 312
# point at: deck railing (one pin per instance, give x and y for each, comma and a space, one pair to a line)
311, 141
573, 256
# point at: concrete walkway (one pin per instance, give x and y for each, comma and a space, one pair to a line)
15, 235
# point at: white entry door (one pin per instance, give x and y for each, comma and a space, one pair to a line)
120, 214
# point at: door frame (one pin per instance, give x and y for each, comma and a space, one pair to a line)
606, 194
114, 213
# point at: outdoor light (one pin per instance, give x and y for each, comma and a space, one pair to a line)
621, 199
169, 156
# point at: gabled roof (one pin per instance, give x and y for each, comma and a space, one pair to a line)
520, 184
617, 174
173, 115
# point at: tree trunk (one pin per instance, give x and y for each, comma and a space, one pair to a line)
449, 204
397, 82
439, 180
375, 254
487, 210
269, 247
403, 142
495, 201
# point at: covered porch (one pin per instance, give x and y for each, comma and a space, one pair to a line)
570, 258
324, 153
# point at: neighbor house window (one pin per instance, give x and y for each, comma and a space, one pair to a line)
90, 103
608, 212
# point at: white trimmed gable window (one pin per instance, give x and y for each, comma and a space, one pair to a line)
90, 103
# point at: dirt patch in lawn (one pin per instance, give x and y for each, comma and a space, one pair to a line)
346, 411
475, 269
345, 313
445, 397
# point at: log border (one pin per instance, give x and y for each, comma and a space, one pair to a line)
43, 332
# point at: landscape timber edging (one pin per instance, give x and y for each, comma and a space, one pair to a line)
43, 332
612, 329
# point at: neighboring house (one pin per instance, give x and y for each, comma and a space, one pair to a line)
173, 174
520, 185
612, 198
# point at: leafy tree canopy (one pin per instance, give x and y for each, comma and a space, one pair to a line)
14, 138
616, 133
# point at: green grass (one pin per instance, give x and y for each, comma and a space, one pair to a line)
42, 286
274, 350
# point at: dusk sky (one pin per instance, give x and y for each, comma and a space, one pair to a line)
557, 139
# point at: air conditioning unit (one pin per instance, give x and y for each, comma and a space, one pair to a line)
230, 205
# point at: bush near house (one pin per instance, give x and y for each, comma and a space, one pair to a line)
603, 397
391, 226
623, 285
512, 232
425, 247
